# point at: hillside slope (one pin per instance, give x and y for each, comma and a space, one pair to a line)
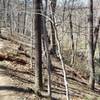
17, 78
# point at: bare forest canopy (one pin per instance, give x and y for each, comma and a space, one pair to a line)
50, 49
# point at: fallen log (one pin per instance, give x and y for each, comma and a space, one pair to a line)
13, 58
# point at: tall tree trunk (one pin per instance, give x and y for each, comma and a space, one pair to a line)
63, 15
32, 42
91, 51
11, 18
53, 41
5, 2
25, 17
0, 27
99, 50
72, 41
78, 36
63, 65
96, 35
93, 37
18, 21
46, 44
38, 51
0, 15
85, 35
18, 18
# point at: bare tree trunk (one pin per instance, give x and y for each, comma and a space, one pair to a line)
72, 41
48, 60
0, 27
53, 41
46, 44
0, 16
91, 51
99, 50
93, 37
78, 36
25, 17
63, 65
32, 43
11, 17
85, 35
5, 11
96, 35
38, 51
18, 21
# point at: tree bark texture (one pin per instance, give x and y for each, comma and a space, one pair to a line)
38, 51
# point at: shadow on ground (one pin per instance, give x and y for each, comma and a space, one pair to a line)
16, 89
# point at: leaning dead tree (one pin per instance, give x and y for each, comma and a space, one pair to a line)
62, 63
63, 66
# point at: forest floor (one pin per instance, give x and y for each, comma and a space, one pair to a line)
17, 78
